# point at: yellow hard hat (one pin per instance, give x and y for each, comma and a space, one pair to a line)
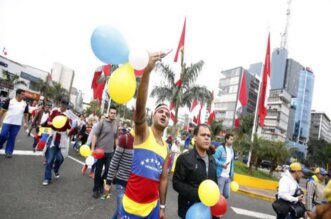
295, 166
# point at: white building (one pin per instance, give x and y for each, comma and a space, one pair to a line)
276, 121
76, 98
30, 75
63, 75
320, 126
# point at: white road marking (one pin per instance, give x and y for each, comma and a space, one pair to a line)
252, 213
37, 153
20, 152
78, 161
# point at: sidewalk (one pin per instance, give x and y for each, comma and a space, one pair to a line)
263, 194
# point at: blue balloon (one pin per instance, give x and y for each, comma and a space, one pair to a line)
109, 45
198, 211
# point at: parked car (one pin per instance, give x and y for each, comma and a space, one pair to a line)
266, 164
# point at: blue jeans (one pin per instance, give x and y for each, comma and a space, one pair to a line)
54, 159
224, 185
9, 133
119, 196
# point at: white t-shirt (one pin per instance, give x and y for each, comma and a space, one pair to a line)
229, 155
44, 117
15, 111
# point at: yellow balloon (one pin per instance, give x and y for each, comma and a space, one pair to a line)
59, 121
209, 192
122, 84
234, 186
85, 151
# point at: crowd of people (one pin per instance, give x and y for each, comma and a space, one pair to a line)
140, 158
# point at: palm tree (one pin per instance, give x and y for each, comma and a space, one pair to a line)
183, 92
58, 91
12, 80
44, 88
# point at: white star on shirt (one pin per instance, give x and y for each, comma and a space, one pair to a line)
147, 160
142, 163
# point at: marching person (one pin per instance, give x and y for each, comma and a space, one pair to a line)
193, 167
224, 157
15, 109
145, 193
57, 146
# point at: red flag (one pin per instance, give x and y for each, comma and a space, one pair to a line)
211, 111
197, 120
265, 86
106, 70
179, 83
95, 86
194, 104
181, 41
242, 100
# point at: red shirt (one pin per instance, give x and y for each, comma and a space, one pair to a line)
54, 113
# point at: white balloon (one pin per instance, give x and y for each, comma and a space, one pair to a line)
138, 58
89, 161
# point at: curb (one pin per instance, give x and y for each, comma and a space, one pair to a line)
255, 195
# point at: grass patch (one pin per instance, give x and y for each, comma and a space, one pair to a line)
241, 168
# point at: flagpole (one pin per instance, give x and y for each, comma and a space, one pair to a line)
254, 129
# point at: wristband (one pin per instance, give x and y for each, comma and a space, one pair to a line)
162, 206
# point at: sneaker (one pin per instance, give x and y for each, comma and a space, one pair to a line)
45, 182
83, 171
57, 175
91, 175
105, 196
8, 156
96, 194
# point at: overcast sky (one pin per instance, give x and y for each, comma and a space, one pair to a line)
225, 34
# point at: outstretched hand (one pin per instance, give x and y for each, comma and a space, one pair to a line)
153, 58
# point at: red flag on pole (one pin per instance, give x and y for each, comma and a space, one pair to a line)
95, 86
181, 42
265, 86
242, 100
211, 111
194, 104
197, 119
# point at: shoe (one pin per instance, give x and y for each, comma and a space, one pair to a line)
83, 171
8, 156
45, 182
105, 196
91, 175
96, 194
57, 175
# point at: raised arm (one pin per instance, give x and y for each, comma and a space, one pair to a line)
141, 127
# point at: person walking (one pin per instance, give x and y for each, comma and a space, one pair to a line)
224, 157
57, 146
120, 169
145, 193
15, 109
193, 167
315, 189
40, 120
105, 137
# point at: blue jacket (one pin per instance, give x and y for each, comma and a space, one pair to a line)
220, 158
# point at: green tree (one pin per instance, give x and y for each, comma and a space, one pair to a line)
12, 80
93, 107
243, 134
183, 92
44, 88
319, 152
57, 92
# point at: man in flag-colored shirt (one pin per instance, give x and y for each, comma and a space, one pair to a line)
146, 190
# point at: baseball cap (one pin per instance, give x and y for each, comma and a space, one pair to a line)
64, 102
321, 171
295, 166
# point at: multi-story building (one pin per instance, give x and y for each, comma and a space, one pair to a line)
30, 75
298, 81
76, 98
228, 94
63, 75
320, 126
276, 121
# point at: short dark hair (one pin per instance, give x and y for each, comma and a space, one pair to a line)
113, 107
19, 91
227, 136
196, 129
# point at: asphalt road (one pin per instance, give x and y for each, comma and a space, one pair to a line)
22, 194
